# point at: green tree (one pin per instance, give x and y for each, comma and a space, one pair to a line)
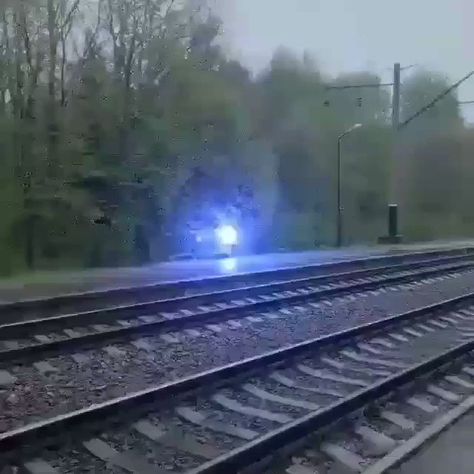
108, 108
420, 89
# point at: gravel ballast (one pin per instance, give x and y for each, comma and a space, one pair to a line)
101, 377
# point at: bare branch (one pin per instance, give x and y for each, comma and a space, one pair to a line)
23, 26
111, 22
69, 16
169, 9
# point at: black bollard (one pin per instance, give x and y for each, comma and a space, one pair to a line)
393, 236
392, 220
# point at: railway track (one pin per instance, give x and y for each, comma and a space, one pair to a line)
271, 406
40, 338
102, 299
388, 430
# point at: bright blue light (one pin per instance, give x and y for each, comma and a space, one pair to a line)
227, 235
228, 265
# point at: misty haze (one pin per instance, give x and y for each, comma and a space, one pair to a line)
236, 236
129, 132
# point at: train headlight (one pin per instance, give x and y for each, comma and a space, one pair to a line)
227, 235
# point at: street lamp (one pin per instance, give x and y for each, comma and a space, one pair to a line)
339, 206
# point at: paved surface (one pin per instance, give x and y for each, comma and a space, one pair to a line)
451, 452
43, 284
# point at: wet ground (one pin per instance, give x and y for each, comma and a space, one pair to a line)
44, 284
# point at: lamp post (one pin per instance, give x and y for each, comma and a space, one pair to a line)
339, 204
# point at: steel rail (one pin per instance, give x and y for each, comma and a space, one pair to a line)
42, 432
17, 310
183, 321
122, 311
266, 445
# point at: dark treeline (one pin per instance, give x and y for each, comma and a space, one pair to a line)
120, 118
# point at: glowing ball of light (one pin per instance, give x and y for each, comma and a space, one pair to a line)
227, 235
228, 265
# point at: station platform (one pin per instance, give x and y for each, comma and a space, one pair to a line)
45, 284
452, 451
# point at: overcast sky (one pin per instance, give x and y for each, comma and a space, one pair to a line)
348, 35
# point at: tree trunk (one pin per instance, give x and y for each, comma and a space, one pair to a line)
52, 121
63, 70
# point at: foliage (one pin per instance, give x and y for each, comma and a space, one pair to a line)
110, 110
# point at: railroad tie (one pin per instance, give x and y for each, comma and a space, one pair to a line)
44, 368
128, 460
449, 320
326, 375
254, 319
148, 319
398, 337
445, 395
461, 316
169, 338
333, 363
80, 358
412, 332
11, 345
300, 469
38, 466
251, 300
380, 444
271, 397
233, 324
398, 419
142, 344
426, 328
214, 328
288, 382
6, 378
114, 351
197, 418
371, 360
247, 410
382, 342
71, 333
422, 404
343, 456
460, 382
469, 371
368, 348
167, 315
100, 327
176, 438
223, 305
271, 315
192, 332
124, 323
438, 324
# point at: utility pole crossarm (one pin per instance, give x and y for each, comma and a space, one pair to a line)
435, 100
360, 86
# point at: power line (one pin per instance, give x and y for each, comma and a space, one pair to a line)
360, 86
435, 100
